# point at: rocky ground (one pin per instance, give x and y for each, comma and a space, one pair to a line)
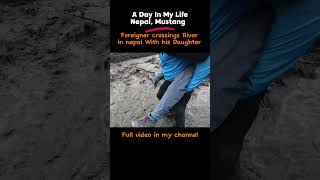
132, 94
53, 89
284, 142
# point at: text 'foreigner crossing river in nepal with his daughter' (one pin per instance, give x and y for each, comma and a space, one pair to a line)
154, 39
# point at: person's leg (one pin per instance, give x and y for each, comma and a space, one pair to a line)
173, 94
163, 88
233, 57
227, 139
293, 33
178, 110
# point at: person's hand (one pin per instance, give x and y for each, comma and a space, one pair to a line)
155, 78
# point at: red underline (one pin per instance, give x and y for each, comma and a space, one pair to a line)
159, 29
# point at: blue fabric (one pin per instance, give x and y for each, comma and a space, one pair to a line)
200, 74
294, 31
172, 66
224, 13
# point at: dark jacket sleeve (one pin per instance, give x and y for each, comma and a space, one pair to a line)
194, 57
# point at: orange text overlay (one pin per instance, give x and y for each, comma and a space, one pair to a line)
136, 39
168, 135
